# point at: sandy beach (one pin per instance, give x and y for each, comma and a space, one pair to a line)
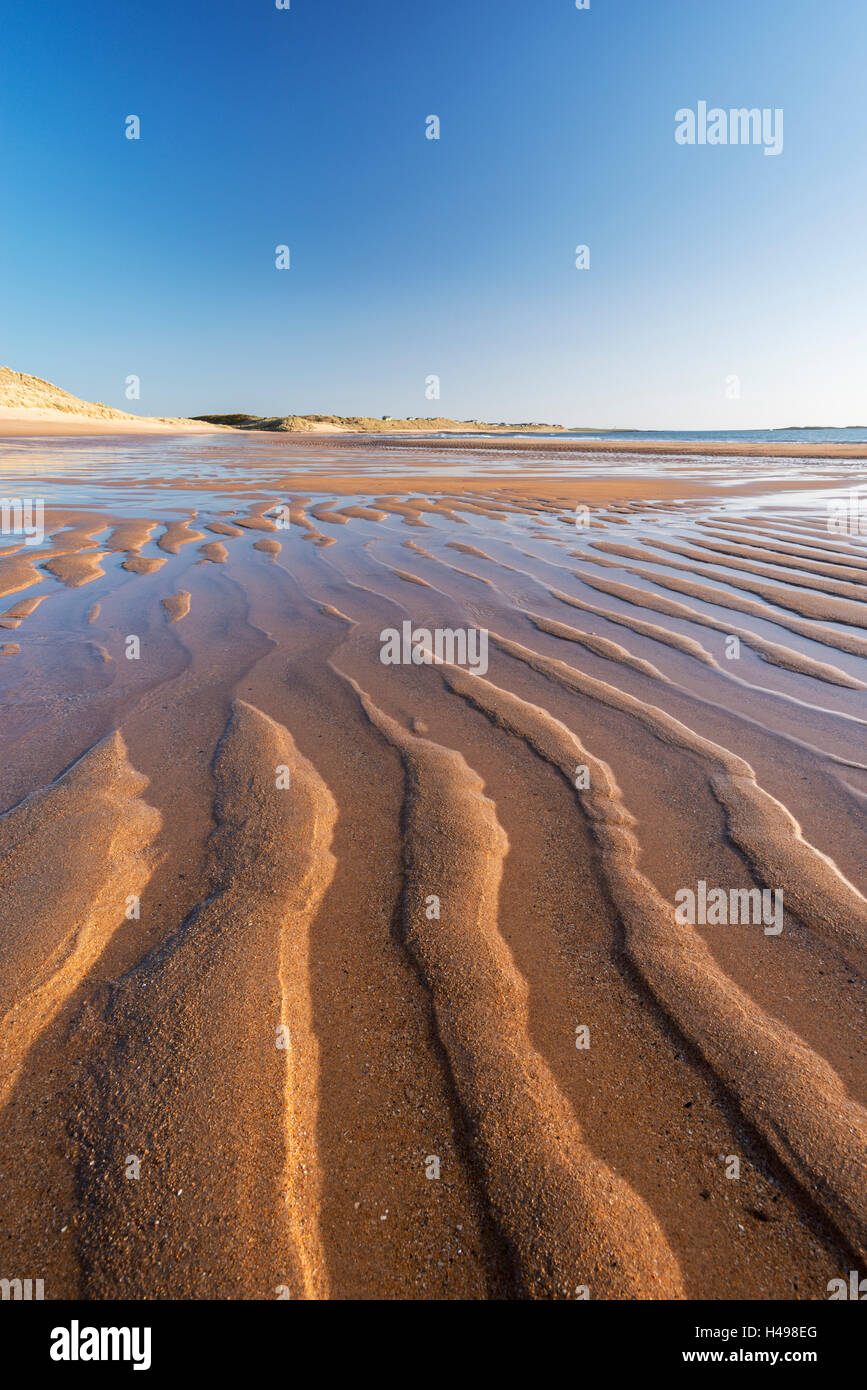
330, 977
32, 407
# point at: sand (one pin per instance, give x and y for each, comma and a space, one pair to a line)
327, 978
23, 423
31, 406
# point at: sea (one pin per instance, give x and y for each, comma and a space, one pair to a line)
849, 434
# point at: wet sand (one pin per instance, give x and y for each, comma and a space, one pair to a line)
327, 978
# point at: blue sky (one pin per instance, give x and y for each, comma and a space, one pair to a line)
412, 257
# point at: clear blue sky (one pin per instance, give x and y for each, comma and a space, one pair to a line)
455, 257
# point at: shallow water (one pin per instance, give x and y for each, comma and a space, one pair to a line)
128, 474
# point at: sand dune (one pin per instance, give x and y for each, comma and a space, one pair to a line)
29, 405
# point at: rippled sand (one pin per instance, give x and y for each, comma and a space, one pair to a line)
312, 944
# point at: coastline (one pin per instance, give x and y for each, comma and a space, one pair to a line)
39, 424
575, 445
